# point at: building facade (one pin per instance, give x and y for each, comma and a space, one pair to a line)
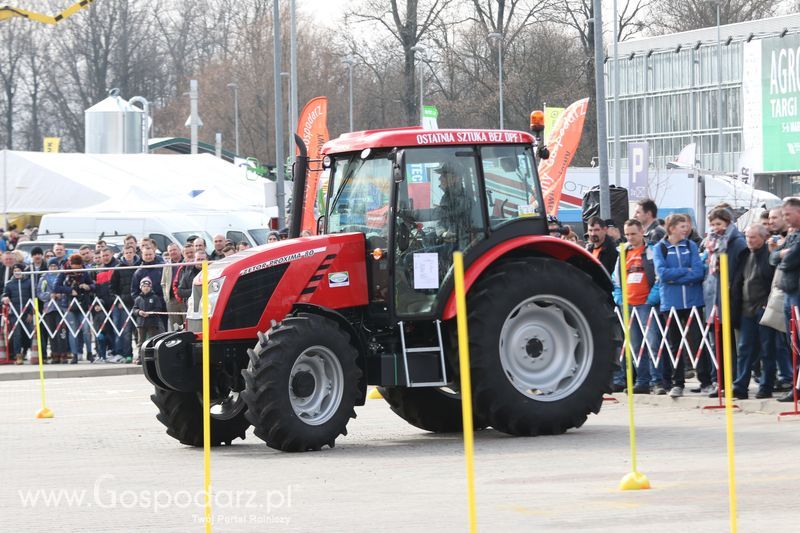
668, 94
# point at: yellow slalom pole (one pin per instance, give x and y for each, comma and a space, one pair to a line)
206, 402
466, 386
44, 412
726, 356
633, 480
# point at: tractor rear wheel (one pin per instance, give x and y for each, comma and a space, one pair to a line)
543, 340
302, 384
432, 409
182, 414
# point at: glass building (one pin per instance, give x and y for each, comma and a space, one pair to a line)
668, 91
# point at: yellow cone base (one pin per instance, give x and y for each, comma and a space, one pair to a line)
634, 481
44, 412
374, 394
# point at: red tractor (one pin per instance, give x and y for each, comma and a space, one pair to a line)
300, 328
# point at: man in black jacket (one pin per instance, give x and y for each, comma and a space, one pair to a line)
787, 258
121, 286
752, 279
601, 245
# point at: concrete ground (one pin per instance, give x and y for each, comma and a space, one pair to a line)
105, 464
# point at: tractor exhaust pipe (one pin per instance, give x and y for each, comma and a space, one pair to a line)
299, 188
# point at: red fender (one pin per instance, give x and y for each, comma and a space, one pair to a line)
544, 244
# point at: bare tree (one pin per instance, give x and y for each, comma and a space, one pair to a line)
669, 16
408, 24
15, 35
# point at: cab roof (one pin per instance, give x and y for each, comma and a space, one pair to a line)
417, 136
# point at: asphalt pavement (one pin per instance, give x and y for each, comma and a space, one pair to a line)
105, 464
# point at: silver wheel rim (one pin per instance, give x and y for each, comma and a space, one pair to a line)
546, 347
316, 405
226, 408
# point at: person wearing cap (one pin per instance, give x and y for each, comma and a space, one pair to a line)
145, 307
78, 288
55, 305
600, 245
17, 295
453, 211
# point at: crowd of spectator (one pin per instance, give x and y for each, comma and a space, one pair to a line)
673, 275
92, 309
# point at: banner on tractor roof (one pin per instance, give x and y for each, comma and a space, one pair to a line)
563, 143
312, 126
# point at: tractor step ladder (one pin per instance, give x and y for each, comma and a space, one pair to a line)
424, 350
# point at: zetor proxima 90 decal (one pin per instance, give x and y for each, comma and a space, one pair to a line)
280, 260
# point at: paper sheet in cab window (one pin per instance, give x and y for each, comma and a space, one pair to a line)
426, 271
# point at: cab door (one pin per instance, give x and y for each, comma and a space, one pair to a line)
439, 211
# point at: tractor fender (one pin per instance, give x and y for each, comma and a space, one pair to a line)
531, 245
358, 339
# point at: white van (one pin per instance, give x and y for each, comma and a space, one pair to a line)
164, 228
249, 226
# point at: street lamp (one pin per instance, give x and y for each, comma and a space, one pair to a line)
350, 62
717, 3
496, 39
235, 88
423, 53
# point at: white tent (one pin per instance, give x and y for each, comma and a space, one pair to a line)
37, 182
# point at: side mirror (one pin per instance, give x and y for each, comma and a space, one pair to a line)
320, 224
399, 166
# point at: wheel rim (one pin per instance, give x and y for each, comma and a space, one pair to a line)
316, 385
226, 408
546, 347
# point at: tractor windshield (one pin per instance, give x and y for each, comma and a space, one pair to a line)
362, 201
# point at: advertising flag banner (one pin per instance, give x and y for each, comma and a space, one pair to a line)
429, 117
52, 144
312, 126
551, 114
563, 143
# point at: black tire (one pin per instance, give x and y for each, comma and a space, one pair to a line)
428, 408
182, 414
535, 296
269, 379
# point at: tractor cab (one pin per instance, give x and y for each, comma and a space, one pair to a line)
418, 196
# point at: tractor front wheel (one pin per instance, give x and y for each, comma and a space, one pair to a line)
302, 384
182, 414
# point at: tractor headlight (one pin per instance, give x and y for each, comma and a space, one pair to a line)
214, 288
195, 310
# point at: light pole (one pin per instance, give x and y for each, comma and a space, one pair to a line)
423, 53
496, 38
287, 75
616, 99
235, 88
350, 62
720, 141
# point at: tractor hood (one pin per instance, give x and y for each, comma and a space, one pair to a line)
251, 288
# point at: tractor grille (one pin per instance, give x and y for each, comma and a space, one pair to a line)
250, 296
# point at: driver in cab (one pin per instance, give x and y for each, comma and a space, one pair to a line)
452, 213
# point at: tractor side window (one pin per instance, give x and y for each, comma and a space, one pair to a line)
438, 212
511, 190
362, 201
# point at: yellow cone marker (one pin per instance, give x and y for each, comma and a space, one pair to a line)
633, 480
44, 412
206, 403
466, 386
726, 356
374, 394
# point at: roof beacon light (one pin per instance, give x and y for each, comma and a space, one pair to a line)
537, 121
